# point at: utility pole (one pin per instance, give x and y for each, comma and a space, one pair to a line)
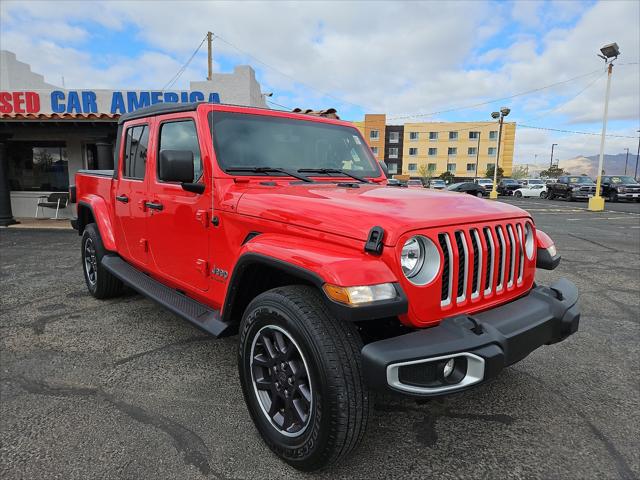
210, 55
553, 145
477, 155
625, 161
637, 157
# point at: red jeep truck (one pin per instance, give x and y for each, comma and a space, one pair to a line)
281, 227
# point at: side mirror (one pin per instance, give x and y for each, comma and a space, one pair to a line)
384, 168
176, 166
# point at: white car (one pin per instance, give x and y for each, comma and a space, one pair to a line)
485, 182
533, 190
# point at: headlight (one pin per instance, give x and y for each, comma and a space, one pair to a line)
359, 295
420, 260
529, 240
622, 189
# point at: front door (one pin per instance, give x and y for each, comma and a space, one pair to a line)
131, 193
179, 220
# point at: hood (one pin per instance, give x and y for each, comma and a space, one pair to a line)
351, 212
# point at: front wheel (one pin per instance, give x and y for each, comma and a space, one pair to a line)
479, 194
518, 194
301, 377
543, 194
613, 197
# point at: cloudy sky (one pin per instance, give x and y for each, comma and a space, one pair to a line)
408, 60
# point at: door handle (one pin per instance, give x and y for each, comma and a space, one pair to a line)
153, 206
122, 198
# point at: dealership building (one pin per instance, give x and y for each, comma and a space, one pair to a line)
48, 133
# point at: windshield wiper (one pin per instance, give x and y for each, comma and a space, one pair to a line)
333, 170
268, 170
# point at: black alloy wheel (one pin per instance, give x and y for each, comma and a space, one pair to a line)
281, 380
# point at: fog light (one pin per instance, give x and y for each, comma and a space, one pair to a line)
447, 370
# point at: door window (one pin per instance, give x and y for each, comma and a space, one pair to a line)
182, 135
135, 152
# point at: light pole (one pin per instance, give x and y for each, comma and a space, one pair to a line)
504, 111
609, 53
637, 157
553, 145
477, 155
626, 159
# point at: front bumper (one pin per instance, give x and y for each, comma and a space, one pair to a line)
628, 196
483, 343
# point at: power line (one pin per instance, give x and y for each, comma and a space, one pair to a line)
182, 69
487, 102
288, 109
574, 132
322, 92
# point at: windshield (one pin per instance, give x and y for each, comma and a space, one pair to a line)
623, 179
245, 141
535, 182
509, 182
581, 179
437, 182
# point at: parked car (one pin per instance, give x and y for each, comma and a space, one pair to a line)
394, 182
572, 187
279, 227
507, 186
533, 190
487, 183
437, 184
415, 184
526, 182
620, 187
468, 187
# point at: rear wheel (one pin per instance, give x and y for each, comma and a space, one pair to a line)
543, 194
518, 194
550, 196
100, 283
301, 377
479, 194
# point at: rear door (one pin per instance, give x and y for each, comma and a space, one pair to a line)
179, 222
131, 192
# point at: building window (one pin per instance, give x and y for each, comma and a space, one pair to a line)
413, 167
374, 135
413, 151
431, 167
38, 166
433, 135
491, 166
453, 135
374, 150
493, 135
182, 136
414, 136
392, 167
472, 151
491, 151
394, 137
471, 167
451, 167
135, 152
433, 152
452, 151
393, 152
474, 135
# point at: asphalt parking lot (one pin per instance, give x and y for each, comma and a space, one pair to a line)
124, 389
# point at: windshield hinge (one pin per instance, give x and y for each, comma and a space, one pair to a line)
374, 240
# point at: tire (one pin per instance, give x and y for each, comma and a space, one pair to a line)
479, 194
100, 283
543, 195
326, 357
613, 198
550, 196
518, 194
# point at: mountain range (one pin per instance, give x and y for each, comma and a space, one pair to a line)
612, 165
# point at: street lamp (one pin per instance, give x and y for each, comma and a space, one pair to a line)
504, 111
609, 53
626, 159
553, 145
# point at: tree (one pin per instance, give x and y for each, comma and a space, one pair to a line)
423, 172
553, 172
489, 172
447, 177
519, 172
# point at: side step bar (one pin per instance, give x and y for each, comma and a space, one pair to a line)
189, 309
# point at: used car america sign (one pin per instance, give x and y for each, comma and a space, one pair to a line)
94, 101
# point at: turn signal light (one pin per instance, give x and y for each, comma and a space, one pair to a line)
360, 295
